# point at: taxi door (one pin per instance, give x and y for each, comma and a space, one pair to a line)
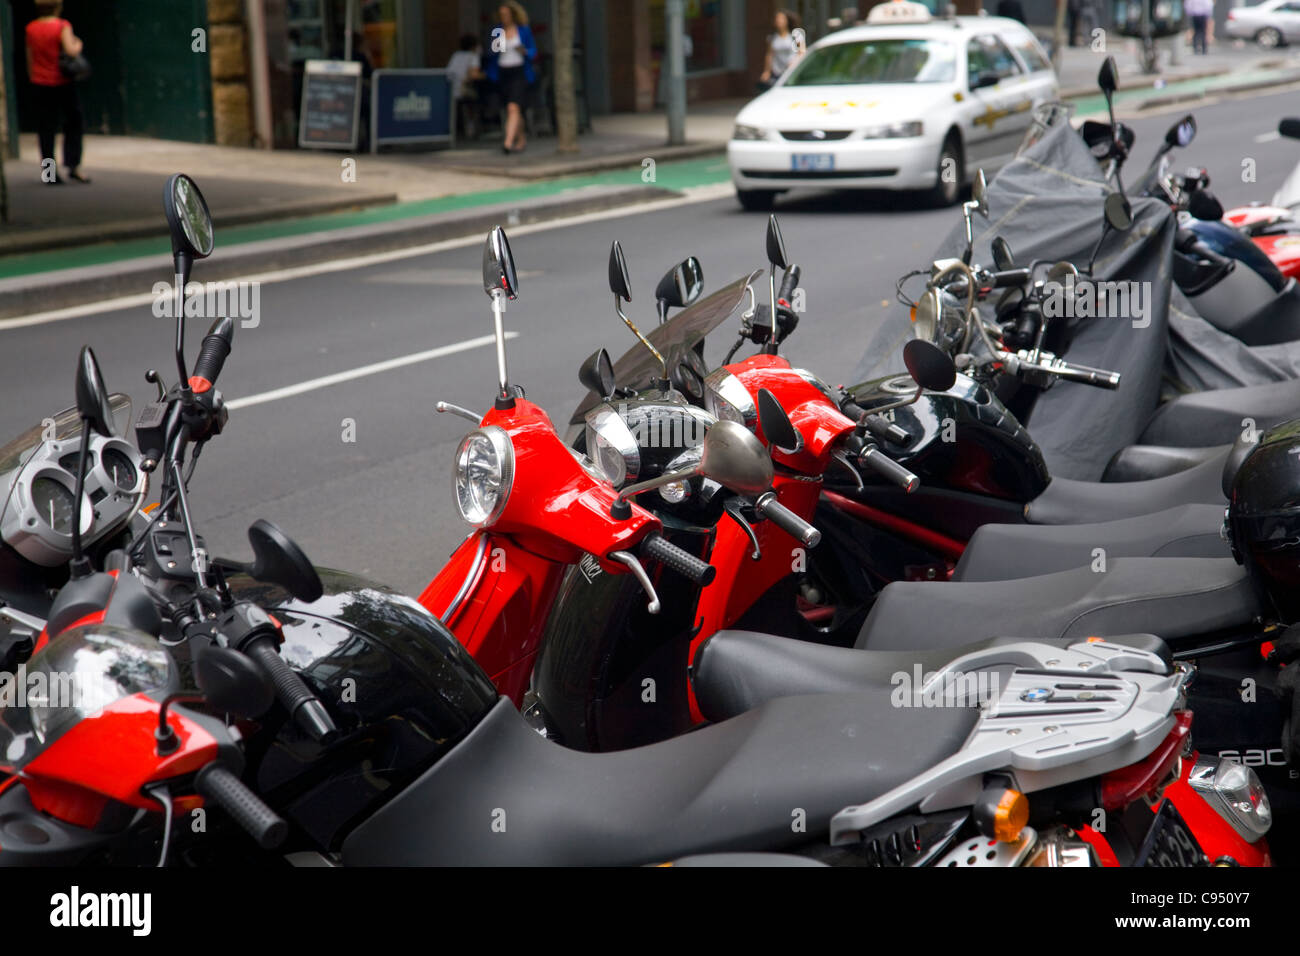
1002, 100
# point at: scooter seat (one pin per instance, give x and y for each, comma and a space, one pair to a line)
505, 796
1220, 415
1066, 501
1143, 462
1177, 598
998, 552
736, 671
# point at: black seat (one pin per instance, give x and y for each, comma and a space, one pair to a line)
736, 671
998, 552
1066, 501
1177, 598
1142, 462
505, 796
1218, 416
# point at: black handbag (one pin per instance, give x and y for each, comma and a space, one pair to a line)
75, 68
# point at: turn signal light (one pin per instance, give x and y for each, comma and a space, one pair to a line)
1001, 813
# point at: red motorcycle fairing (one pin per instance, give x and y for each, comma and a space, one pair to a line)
1275, 230
507, 576
1283, 250
1254, 217
101, 758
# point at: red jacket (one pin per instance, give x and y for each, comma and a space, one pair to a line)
44, 44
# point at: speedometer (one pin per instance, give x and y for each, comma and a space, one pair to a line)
54, 503
119, 468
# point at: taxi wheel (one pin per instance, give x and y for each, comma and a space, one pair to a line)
756, 200
947, 189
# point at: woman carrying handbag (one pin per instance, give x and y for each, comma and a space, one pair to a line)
54, 64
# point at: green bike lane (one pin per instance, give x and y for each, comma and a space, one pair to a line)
670, 175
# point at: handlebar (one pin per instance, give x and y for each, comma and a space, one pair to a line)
683, 562
307, 711
885, 430
1087, 376
886, 467
212, 354
789, 283
769, 507
218, 785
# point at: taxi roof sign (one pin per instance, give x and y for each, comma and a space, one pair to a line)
899, 11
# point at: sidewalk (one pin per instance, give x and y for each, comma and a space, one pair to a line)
260, 195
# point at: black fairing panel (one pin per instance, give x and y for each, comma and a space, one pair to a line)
609, 674
507, 797
398, 684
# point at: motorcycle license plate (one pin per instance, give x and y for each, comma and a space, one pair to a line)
1169, 842
812, 162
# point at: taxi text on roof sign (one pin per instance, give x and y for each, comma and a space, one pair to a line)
899, 11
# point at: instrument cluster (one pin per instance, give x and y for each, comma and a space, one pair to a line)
38, 513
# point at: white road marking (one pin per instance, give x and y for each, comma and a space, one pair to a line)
325, 381
693, 194
1267, 137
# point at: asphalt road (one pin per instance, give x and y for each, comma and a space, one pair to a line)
382, 504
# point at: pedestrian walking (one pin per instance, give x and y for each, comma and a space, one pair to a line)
54, 94
1201, 12
510, 67
781, 48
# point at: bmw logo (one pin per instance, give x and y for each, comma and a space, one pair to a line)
1037, 694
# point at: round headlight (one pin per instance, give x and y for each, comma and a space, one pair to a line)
726, 398
485, 469
612, 446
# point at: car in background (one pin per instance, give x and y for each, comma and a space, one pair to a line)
908, 101
1271, 24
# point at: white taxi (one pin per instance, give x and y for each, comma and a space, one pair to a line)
907, 101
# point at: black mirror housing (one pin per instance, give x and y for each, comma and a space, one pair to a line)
929, 366
597, 374
619, 283
277, 559
92, 396
775, 244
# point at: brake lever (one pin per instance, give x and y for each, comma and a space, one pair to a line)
634, 565
29, 621
464, 413
733, 507
841, 458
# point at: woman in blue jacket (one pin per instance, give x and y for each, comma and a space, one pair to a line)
510, 67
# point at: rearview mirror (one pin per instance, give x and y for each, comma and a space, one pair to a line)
777, 427
597, 374
188, 218
1119, 212
1182, 132
775, 244
1205, 206
1002, 257
1060, 270
499, 277
929, 366
277, 559
1108, 76
978, 194
619, 284
231, 683
735, 459
1289, 127
680, 286
92, 397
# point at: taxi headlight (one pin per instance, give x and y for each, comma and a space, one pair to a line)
747, 132
725, 397
1236, 793
483, 473
894, 130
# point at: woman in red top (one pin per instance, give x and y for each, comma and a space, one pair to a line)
53, 94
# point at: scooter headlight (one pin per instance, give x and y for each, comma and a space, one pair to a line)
612, 446
726, 398
1234, 790
484, 472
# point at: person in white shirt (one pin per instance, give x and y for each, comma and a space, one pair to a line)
781, 48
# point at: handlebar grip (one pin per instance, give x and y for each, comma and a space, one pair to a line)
1089, 376
885, 466
787, 520
1009, 278
218, 785
789, 283
308, 712
683, 562
212, 354
885, 430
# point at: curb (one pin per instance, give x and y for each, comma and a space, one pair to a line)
1157, 101
595, 164
67, 237
66, 288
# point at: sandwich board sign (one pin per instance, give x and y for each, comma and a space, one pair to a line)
331, 105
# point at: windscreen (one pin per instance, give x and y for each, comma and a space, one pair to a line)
876, 61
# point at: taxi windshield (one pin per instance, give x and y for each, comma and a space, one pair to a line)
876, 61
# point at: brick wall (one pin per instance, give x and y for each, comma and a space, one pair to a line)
228, 61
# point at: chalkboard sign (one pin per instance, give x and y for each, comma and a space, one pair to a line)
331, 104
411, 106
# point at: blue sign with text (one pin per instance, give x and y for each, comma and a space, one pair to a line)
411, 106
